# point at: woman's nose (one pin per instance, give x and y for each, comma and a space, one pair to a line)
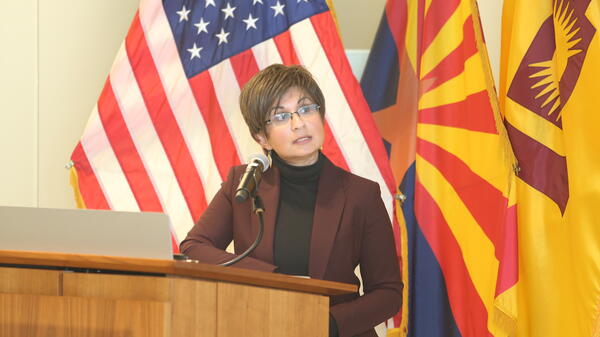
297, 121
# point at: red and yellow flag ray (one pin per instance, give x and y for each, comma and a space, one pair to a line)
456, 170
549, 73
463, 168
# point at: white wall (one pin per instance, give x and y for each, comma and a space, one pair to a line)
18, 103
54, 61
490, 12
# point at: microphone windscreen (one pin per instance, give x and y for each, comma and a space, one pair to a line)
261, 158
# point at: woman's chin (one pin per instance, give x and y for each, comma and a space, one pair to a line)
302, 158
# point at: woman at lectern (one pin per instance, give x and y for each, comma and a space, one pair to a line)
320, 221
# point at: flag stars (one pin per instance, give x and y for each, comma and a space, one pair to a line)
228, 11
254, 2
209, 3
183, 14
222, 36
194, 51
278, 8
202, 26
250, 22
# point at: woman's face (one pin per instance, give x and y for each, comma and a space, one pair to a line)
298, 140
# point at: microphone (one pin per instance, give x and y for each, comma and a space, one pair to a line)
258, 163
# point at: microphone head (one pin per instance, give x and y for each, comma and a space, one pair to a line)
261, 158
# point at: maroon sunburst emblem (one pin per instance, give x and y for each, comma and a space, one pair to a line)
543, 83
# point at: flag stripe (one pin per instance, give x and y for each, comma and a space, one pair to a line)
286, 48
485, 203
226, 86
457, 88
332, 150
223, 147
90, 188
162, 117
125, 150
438, 14
452, 64
535, 126
330, 68
469, 312
179, 93
447, 38
476, 250
466, 114
111, 178
135, 115
244, 66
265, 54
508, 274
465, 143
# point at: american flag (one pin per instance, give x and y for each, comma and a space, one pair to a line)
167, 126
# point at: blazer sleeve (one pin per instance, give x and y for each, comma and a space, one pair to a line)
210, 236
379, 270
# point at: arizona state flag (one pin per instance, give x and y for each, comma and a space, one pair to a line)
550, 95
429, 83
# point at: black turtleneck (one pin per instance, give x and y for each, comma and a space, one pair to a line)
293, 227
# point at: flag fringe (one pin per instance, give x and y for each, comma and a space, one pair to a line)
396, 332
402, 330
504, 319
334, 16
74, 182
509, 156
596, 332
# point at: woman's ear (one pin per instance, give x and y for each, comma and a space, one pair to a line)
262, 140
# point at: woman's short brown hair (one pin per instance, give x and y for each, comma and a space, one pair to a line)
265, 89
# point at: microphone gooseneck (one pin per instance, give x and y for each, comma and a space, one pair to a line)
258, 209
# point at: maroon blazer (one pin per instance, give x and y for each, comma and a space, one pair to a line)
350, 227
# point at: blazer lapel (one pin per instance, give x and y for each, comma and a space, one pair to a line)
328, 210
268, 190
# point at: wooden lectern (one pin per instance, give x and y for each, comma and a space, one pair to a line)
52, 294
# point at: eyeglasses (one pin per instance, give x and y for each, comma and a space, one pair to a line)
284, 117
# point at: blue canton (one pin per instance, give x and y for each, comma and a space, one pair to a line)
208, 31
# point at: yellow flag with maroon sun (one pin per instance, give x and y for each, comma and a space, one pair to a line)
550, 95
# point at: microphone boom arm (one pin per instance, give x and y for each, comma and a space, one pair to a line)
258, 209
